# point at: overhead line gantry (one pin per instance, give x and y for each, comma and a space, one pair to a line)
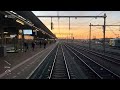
103, 35
104, 23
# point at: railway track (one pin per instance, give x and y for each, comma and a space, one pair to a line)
42, 70
114, 54
53, 67
103, 56
59, 68
97, 69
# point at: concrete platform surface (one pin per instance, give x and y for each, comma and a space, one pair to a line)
20, 65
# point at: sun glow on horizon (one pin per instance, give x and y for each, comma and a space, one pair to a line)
80, 27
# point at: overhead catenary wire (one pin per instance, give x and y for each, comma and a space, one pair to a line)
115, 29
90, 19
93, 18
112, 31
69, 23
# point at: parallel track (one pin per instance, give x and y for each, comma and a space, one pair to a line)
99, 70
105, 57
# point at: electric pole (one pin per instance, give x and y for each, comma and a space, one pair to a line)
69, 28
90, 37
104, 29
104, 17
104, 33
51, 24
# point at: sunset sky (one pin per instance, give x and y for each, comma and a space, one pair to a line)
80, 26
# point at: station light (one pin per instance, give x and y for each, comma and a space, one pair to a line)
43, 32
22, 23
9, 16
34, 30
30, 24
6, 16
20, 31
37, 30
5, 32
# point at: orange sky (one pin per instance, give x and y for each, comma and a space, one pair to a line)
80, 28
80, 32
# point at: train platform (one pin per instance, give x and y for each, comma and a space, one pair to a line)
20, 65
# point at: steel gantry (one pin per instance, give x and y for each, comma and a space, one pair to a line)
104, 23
104, 26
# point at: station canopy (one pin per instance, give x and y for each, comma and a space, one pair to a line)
31, 17
12, 25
